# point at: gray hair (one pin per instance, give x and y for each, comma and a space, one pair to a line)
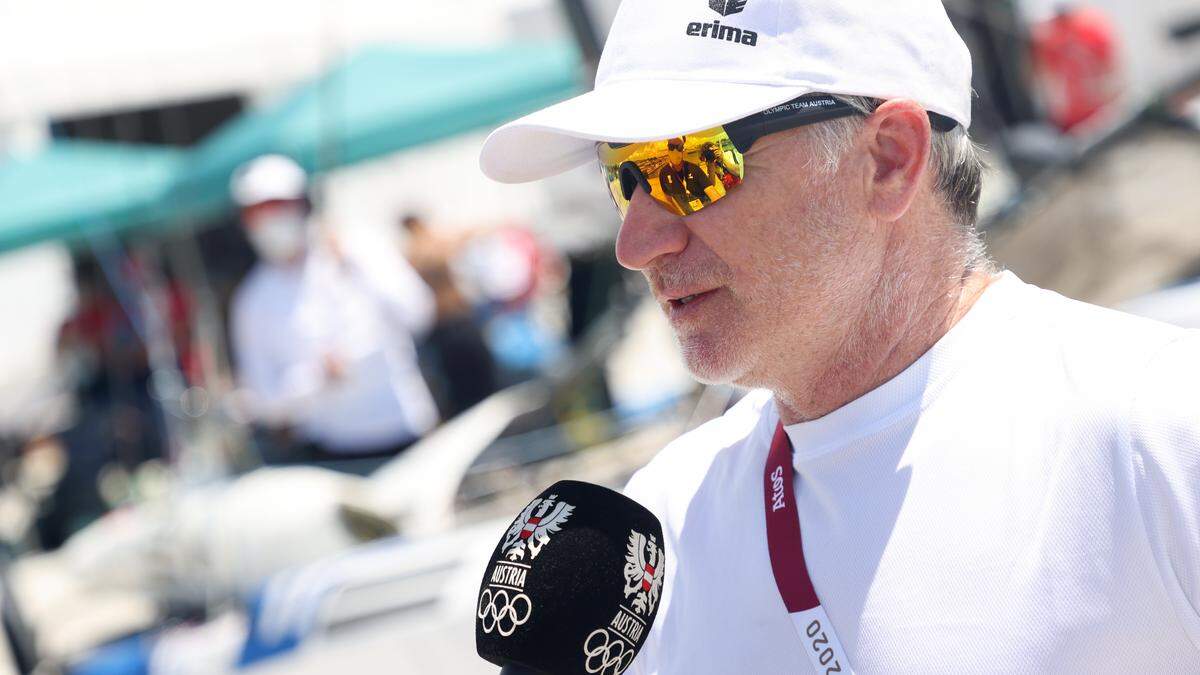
956, 160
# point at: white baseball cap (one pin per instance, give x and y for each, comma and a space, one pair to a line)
675, 67
268, 178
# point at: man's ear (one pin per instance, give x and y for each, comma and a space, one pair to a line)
897, 140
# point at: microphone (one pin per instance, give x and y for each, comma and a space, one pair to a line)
573, 585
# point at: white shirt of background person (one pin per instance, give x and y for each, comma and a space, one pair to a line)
326, 345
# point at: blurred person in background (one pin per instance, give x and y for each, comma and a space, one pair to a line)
324, 345
115, 419
516, 282
460, 355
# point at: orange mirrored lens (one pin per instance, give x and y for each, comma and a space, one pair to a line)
683, 174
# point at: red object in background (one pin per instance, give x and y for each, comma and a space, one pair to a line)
180, 312
1075, 55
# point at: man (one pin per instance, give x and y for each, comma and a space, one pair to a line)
324, 345
457, 343
684, 182
946, 470
714, 165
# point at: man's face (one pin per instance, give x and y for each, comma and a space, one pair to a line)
752, 281
277, 229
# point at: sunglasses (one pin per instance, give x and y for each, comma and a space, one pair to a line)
687, 173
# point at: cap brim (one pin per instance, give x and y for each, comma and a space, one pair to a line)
563, 136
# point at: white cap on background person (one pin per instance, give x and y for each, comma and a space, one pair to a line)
266, 179
674, 67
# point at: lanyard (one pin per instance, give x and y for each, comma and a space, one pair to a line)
787, 562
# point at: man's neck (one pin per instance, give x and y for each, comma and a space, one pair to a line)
892, 331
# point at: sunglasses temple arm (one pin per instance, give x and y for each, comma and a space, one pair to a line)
745, 133
941, 122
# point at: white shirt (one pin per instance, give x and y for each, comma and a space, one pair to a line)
286, 319
1025, 498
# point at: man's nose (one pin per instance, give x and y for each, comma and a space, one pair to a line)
649, 231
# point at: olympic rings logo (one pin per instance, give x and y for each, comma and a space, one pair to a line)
497, 611
604, 657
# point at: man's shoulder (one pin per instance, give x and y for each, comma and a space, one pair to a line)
679, 467
1136, 374
1165, 403
1102, 325
1093, 341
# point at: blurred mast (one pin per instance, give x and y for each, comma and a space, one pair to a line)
584, 30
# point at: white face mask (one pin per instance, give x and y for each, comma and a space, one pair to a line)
280, 236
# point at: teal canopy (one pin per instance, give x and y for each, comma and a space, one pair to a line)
73, 188
382, 100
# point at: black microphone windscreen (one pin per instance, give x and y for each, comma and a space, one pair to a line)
573, 585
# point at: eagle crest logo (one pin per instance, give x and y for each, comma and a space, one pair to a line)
532, 529
644, 567
727, 7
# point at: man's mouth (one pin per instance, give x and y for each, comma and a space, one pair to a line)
686, 300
